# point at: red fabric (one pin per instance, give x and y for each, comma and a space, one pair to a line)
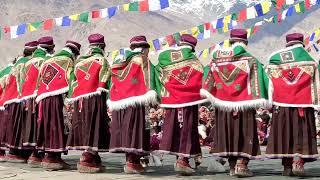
183, 90
242, 15
298, 93
144, 6
232, 94
11, 91
122, 89
280, 3
53, 78
1, 97
88, 82
307, 2
95, 14
48, 24
171, 41
30, 84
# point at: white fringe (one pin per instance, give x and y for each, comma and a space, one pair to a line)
184, 104
234, 106
87, 95
52, 93
102, 90
2, 108
149, 97
28, 97
11, 101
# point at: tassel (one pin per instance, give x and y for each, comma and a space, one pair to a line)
301, 112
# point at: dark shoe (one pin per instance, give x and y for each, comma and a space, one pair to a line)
54, 164
287, 171
242, 171
15, 159
89, 163
131, 168
184, 168
34, 161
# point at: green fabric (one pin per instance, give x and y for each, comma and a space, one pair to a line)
201, 28
84, 17
65, 53
94, 51
134, 6
165, 57
39, 52
129, 54
5, 71
299, 54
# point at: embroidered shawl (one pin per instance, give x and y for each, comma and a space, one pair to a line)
293, 78
235, 80
4, 73
132, 81
178, 78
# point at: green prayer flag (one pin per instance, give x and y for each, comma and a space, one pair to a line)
220, 30
176, 37
234, 16
84, 17
134, 6
201, 28
302, 7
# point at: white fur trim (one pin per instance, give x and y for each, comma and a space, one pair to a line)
184, 104
15, 100
174, 48
217, 47
28, 97
239, 105
295, 105
2, 108
102, 90
87, 95
149, 97
52, 93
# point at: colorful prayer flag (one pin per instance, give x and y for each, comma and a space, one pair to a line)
95, 14
156, 44
48, 24
251, 13
84, 17
312, 36
112, 11
34, 26
126, 6
164, 4
171, 41
195, 32
66, 21
74, 17
21, 29
219, 23
259, 10
242, 15
13, 32
134, 6
154, 5
144, 6
265, 6
297, 8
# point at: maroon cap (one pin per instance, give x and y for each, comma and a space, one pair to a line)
139, 41
294, 38
74, 44
239, 34
46, 41
96, 39
31, 45
188, 39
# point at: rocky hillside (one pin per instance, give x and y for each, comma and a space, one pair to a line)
183, 14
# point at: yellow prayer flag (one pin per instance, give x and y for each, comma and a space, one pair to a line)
151, 46
297, 8
184, 32
205, 53
31, 28
317, 32
126, 7
114, 54
195, 32
266, 6
74, 17
225, 27
226, 43
227, 19
249, 32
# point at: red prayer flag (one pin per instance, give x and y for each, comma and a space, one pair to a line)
207, 26
48, 24
280, 3
6, 29
171, 41
307, 40
242, 15
307, 2
144, 6
95, 14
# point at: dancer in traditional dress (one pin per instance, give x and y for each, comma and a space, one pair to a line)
294, 90
28, 81
87, 93
15, 122
131, 92
235, 85
53, 85
4, 73
178, 80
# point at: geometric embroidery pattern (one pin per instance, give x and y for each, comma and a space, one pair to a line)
49, 74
